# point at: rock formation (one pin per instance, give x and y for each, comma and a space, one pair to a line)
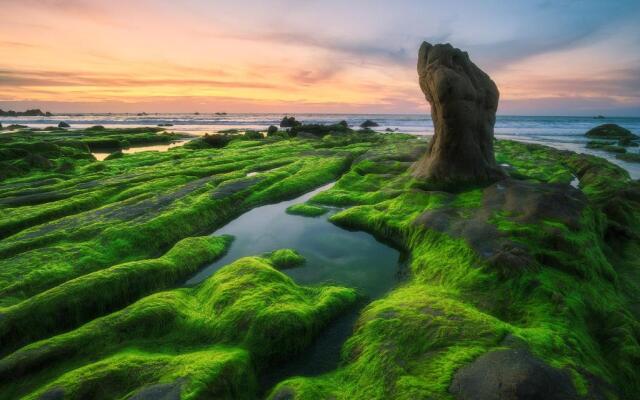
368, 124
610, 131
463, 101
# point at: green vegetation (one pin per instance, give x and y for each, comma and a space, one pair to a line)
92, 257
552, 282
60, 150
308, 210
285, 258
204, 340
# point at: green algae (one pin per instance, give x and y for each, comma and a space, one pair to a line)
572, 307
285, 258
307, 210
570, 310
209, 337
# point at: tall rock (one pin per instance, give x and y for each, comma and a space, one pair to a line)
463, 101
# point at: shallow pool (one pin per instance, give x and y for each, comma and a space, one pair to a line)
333, 255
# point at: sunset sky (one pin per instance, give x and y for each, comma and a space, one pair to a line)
547, 57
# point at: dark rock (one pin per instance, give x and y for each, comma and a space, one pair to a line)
610, 131
16, 126
599, 117
52, 394
463, 101
627, 141
162, 391
29, 113
64, 125
165, 124
272, 130
525, 203
368, 124
344, 124
289, 122
511, 374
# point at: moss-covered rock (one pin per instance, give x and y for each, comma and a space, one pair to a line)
610, 131
308, 210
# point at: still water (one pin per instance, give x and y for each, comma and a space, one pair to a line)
333, 255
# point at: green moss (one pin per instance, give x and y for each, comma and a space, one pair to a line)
207, 338
285, 258
308, 210
79, 300
403, 347
100, 231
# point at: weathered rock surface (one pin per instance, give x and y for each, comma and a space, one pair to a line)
63, 124
610, 131
512, 374
368, 124
525, 203
463, 101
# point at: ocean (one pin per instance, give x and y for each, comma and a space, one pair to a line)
565, 133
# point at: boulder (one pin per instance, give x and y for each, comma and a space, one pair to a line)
368, 124
272, 130
610, 131
64, 125
289, 122
463, 101
511, 374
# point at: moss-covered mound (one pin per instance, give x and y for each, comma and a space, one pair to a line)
308, 210
61, 150
610, 131
202, 342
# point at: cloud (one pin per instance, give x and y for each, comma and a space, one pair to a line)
10, 78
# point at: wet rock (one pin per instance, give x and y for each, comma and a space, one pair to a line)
610, 131
163, 391
512, 374
53, 394
463, 101
368, 124
64, 125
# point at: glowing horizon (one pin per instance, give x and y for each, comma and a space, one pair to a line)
289, 56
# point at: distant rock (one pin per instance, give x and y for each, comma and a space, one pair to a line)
165, 124
272, 130
599, 117
610, 131
29, 113
221, 113
344, 124
289, 122
16, 126
511, 374
369, 124
64, 125
463, 101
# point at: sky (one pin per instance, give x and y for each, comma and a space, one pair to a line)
547, 57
